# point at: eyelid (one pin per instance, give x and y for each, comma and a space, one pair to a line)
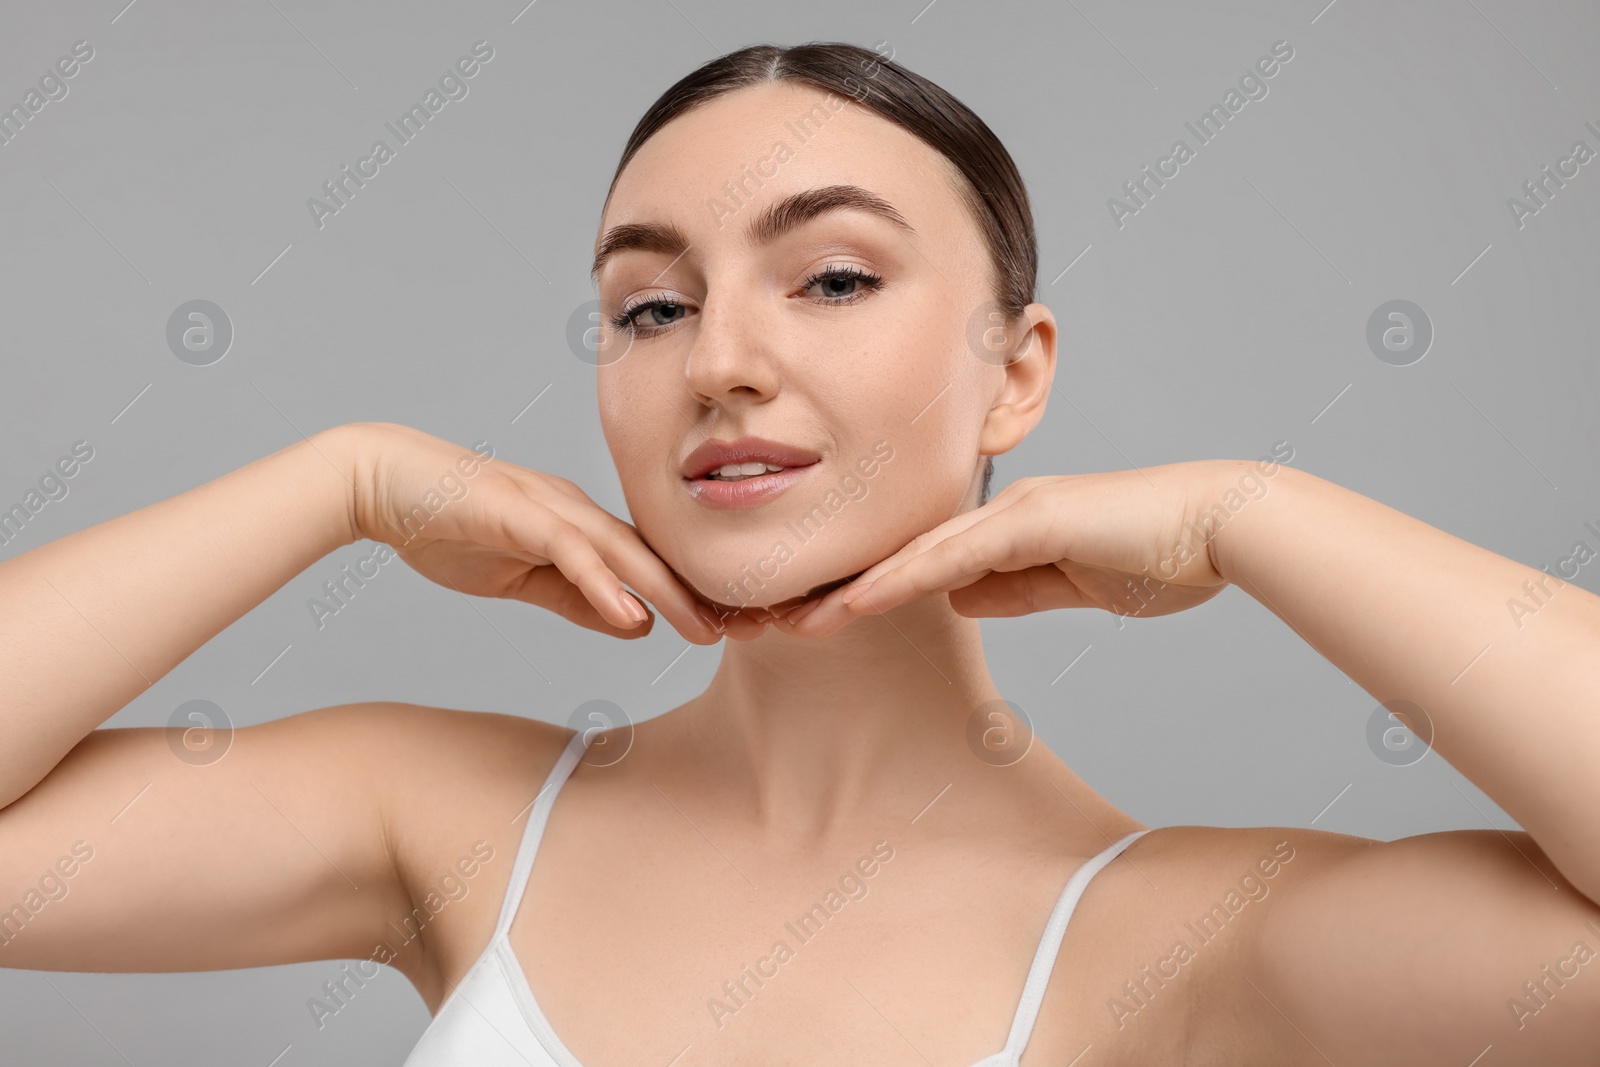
639, 300
871, 281
825, 254
835, 265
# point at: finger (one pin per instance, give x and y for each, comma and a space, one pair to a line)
568, 548
950, 564
737, 624
1006, 594
749, 630
624, 553
822, 617
1007, 498
1008, 540
620, 547
829, 614
947, 558
548, 588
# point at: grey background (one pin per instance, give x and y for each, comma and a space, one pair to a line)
1228, 314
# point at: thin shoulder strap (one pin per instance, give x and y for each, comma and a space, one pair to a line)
534, 831
1044, 960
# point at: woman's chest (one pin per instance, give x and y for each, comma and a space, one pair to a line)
675, 940
693, 950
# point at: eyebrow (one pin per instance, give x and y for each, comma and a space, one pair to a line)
772, 223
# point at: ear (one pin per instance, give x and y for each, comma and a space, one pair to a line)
1029, 370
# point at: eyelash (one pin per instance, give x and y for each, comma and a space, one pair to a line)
870, 283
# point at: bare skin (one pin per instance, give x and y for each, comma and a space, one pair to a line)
664, 874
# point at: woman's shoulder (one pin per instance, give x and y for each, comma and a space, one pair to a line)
1175, 869
489, 737
454, 789
423, 759
1164, 933
454, 772
1202, 846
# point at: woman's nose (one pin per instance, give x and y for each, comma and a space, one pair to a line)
730, 355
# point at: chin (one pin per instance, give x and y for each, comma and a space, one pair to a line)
767, 564
747, 588
762, 583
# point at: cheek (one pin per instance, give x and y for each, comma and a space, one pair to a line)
921, 404
612, 396
926, 406
921, 485
637, 452
631, 425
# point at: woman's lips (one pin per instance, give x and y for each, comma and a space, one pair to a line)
746, 492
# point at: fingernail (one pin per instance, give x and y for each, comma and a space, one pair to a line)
710, 617
632, 607
855, 591
801, 612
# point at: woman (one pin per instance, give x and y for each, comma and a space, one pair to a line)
817, 269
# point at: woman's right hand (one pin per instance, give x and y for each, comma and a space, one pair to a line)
487, 527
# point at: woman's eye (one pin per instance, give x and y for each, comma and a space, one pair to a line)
835, 285
661, 315
843, 285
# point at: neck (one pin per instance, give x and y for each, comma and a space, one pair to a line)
807, 731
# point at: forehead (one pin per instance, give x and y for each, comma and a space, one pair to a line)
753, 146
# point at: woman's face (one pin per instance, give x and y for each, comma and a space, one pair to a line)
836, 333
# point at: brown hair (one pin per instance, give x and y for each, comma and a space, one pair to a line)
992, 187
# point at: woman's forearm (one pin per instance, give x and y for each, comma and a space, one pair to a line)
89, 621
1503, 659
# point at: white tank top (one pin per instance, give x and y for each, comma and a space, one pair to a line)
491, 1018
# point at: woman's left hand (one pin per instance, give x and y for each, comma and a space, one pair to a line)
1135, 542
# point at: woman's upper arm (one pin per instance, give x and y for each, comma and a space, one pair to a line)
127, 857
1428, 950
